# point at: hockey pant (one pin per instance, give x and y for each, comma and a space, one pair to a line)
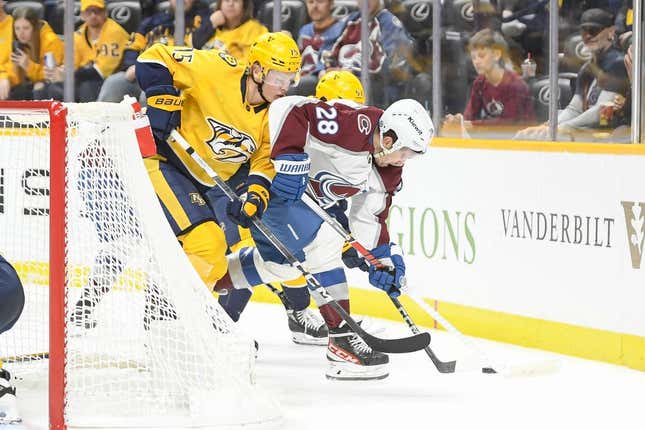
191, 219
313, 242
238, 237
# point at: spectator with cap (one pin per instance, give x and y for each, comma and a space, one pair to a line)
98, 50
600, 80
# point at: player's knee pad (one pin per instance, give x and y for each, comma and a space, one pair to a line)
206, 247
12, 296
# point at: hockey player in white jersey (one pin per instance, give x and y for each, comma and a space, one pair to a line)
12, 300
338, 151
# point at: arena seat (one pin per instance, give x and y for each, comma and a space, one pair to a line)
126, 13
541, 94
36, 5
293, 15
58, 17
342, 8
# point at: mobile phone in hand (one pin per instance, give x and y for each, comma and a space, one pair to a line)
19, 46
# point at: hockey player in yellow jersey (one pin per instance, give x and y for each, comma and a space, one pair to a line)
220, 108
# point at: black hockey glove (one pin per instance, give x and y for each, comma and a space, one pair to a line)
352, 259
252, 203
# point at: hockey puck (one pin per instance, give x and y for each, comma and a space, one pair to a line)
488, 370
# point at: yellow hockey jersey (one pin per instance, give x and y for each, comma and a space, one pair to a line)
105, 53
215, 118
237, 41
6, 39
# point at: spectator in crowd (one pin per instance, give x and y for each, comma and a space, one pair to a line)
160, 28
6, 39
316, 40
33, 40
98, 50
599, 81
499, 96
230, 27
390, 48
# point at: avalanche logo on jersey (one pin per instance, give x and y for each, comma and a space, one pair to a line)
228, 144
330, 188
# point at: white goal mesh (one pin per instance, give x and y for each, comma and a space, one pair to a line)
146, 344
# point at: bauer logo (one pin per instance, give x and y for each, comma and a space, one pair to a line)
635, 223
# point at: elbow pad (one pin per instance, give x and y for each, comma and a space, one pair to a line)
164, 110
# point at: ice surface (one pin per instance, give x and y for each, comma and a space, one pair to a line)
580, 395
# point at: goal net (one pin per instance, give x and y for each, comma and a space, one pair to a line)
115, 314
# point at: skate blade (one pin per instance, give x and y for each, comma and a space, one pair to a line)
342, 371
305, 339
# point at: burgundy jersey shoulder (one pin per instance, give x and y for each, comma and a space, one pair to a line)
347, 125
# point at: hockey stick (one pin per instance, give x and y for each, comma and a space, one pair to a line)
537, 368
408, 344
281, 295
442, 366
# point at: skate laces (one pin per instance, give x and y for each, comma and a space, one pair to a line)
308, 319
358, 344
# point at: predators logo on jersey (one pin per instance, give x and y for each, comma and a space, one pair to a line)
229, 144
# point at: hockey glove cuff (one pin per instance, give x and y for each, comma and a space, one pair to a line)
352, 259
251, 204
292, 174
392, 278
164, 110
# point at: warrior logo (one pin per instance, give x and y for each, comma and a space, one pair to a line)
228, 144
635, 222
329, 187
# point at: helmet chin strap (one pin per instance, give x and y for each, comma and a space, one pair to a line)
259, 85
384, 151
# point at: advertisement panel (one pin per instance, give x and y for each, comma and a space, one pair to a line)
549, 235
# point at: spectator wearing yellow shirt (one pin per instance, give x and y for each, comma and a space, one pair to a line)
98, 50
33, 39
231, 27
6, 38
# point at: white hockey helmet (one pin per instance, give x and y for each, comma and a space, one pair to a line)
411, 124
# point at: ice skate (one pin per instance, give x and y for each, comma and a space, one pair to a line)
350, 358
82, 317
307, 328
8, 406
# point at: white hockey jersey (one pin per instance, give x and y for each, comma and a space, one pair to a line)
337, 137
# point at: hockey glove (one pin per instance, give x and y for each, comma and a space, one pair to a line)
389, 279
352, 259
251, 204
164, 110
292, 174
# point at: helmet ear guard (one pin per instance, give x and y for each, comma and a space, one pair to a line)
409, 125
